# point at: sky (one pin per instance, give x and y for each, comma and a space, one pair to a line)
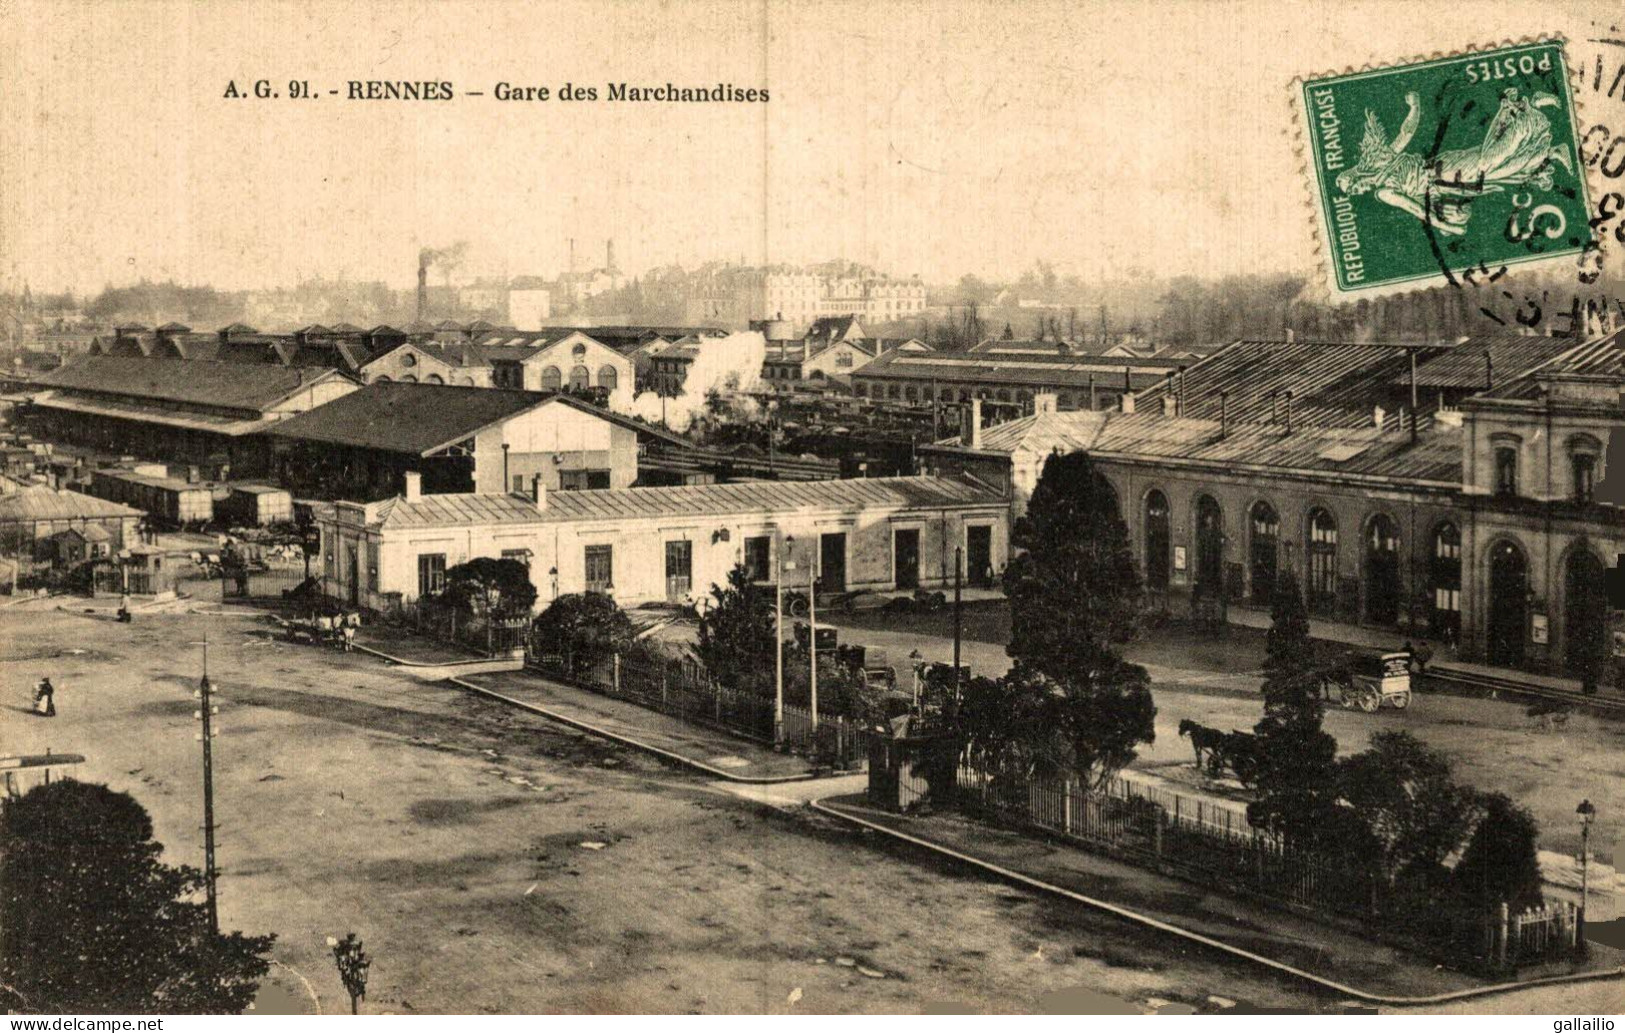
934, 139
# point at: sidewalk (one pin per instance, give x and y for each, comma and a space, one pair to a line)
711, 751
1353, 964
410, 649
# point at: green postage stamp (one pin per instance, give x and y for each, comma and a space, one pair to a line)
1446, 169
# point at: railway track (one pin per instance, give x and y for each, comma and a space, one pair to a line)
1496, 685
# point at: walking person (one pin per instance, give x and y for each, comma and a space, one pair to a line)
1423, 654
349, 637
124, 609
45, 698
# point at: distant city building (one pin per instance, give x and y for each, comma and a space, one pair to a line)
739, 296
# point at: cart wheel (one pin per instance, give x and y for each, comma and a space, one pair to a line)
1402, 700
1370, 702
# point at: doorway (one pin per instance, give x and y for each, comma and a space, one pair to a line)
832, 562
1585, 614
1509, 606
1382, 571
979, 556
679, 570
1264, 552
906, 556
1209, 547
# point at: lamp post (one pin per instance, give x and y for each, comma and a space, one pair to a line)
1588, 814
918, 661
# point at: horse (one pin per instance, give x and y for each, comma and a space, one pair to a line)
1204, 740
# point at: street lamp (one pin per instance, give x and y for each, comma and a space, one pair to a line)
1588, 814
918, 660
353, 964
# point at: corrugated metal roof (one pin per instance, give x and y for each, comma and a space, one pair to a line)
224, 385
148, 412
38, 502
1435, 456
702, 501
1601, 356
1477, 362
393, 416
1064, 371
1332, 385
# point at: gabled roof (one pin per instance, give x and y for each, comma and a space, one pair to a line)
346, 328
385, 330
132, 327
174, 328
1601, 357
447, 324
220, 384
459, 510
415, 419
37, 502
238, 328
314, 328
1477, 363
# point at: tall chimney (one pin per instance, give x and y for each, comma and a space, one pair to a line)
973, 422
1489, 371
572, 254
1179, 401
414, 486
538, 491
1092, 392
609, 253
423, 288
1289, 412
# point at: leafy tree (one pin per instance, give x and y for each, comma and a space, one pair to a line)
1073, 590
737, 633
485, 586
1297, 790
1292, 671
1500, 863
1074, 594
92, 921
588, 627
1403, 791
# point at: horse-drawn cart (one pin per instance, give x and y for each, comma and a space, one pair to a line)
1373, 681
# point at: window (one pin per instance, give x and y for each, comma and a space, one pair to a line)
517, 555
583, 480
434, 378
579, 378
1322, 562
893, 391
844, 360
600, 568
408, 359
431, 573
1585, 476
551, 378
759, 558
608, 378
518, 484
1506, 470
372, 566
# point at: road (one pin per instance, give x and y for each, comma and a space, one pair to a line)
495, 863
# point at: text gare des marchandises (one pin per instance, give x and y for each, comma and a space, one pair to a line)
445, 90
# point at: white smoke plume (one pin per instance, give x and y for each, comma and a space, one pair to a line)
722, 364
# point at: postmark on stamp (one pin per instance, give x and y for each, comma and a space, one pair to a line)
1421, 172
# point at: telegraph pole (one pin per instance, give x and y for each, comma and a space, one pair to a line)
812, 634
778, 651
206, 710
959, 563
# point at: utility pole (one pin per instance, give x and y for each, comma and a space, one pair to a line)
812, 633
778, 651
206, 711
959, 552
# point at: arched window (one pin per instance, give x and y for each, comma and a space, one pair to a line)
1444, 578
1322, 552
551, 378
463, 380
1209, 547
911, 393
382, 378
608, 378
580, 378
1264, 551
1157, 538
579, 352
434, 378
1382, 570
409, 379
